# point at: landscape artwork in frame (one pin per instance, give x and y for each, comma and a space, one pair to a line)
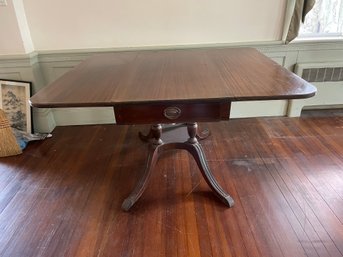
14, 100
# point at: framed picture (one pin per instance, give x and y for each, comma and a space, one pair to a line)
14, 100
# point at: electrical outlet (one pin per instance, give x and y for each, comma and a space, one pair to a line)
3, 2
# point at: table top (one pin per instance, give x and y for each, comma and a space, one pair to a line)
192, 75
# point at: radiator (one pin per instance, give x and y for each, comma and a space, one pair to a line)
328, 78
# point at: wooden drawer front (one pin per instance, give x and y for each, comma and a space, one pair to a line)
171, 113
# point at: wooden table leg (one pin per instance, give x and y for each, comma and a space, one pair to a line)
157, 147
143, 181
193, 147
154, 137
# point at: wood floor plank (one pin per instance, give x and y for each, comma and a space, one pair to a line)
306, 193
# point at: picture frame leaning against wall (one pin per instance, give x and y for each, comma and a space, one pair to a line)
14, 101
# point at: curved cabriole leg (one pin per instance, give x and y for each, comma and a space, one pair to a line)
199, 156
143, 181
155, 142
196, 150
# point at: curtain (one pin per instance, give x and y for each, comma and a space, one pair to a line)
302, 7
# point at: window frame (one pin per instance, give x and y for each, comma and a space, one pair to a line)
290, 5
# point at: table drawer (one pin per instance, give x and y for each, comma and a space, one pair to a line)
154, 113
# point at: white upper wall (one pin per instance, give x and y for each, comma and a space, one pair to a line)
80, 24
11, 41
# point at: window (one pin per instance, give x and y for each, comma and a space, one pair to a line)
324, 20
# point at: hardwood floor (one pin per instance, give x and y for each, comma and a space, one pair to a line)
62, 196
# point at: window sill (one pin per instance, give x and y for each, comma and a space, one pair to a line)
318, 40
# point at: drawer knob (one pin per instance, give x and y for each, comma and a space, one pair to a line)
172, 113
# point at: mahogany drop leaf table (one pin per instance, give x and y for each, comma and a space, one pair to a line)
173, 86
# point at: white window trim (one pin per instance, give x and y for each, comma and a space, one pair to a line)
317, 39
